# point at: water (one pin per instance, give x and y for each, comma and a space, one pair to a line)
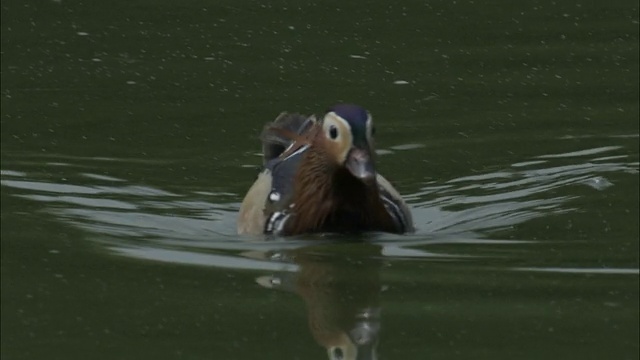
129, 138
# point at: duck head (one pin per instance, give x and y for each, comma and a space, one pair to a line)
348, 130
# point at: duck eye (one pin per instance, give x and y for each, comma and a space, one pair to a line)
333, 132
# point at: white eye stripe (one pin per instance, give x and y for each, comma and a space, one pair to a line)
370, 128
340, 144
335, 125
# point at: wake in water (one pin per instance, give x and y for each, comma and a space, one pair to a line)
145, 222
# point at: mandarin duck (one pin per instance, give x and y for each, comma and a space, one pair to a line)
319, 176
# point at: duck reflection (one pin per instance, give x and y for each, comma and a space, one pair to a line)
340, 285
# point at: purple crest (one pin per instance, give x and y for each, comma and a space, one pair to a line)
354, 114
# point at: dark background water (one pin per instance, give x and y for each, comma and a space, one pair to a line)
129, 136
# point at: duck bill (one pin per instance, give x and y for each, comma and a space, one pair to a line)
360, 164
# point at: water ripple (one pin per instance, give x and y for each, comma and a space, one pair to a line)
146, 222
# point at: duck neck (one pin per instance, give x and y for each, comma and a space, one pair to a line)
327, 197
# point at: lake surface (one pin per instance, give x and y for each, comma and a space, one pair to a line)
129, 136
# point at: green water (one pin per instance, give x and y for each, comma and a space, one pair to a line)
129, 136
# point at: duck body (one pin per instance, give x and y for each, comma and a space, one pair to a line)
319, 176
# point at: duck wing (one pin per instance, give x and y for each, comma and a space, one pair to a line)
271, 191
278, 135
283, 144
395, 205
